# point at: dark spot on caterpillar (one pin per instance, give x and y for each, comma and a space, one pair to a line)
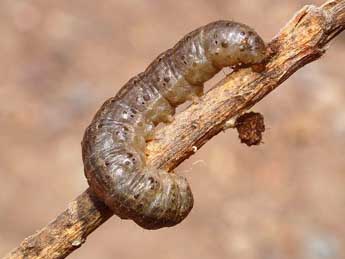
128, 113
135, 81
127, 162
146, 100
151, 180
124, 113
140, 100
132, 158
146, 97
184, 59
153, 185
131, 112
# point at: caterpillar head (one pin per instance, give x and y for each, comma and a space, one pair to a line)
232, 43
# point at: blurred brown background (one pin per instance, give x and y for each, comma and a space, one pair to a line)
61, 59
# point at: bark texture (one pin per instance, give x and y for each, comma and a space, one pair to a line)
303, 40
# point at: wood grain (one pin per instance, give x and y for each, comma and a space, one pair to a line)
304, 39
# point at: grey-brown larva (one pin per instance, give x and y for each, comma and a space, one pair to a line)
114, 143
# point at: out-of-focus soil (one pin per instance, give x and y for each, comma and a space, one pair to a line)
61, 59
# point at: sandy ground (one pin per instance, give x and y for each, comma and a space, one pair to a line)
61, 59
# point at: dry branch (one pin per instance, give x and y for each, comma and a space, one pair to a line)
303, 40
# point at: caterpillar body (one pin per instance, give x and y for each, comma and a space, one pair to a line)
114, 143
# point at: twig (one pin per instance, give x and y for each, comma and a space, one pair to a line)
303, 40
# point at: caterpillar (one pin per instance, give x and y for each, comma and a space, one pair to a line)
114, 143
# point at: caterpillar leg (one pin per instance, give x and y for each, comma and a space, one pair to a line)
195, 94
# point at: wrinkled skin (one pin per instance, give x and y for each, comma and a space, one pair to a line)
114, 143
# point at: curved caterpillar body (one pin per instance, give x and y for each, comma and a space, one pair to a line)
114, 143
